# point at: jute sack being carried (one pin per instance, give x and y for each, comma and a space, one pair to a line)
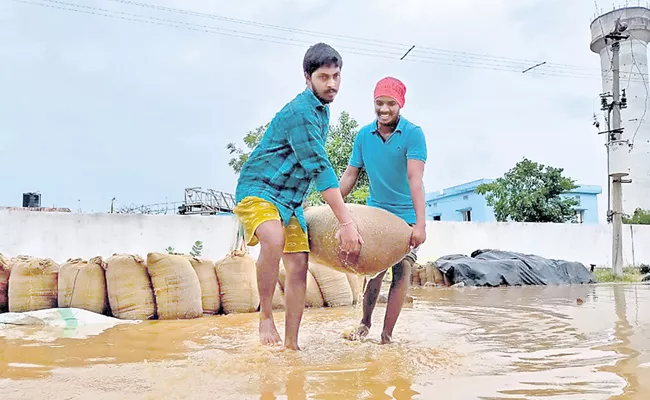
386, 238
313, 296
175, 285
237, 276
333, 285
82, 284
130, 294
210, 298
33, 284
5, 270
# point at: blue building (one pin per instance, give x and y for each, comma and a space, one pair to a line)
462, 203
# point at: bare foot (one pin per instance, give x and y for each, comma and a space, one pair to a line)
385, 338
268, 333
291, 345
360, 333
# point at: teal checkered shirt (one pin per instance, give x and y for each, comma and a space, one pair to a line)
289, 157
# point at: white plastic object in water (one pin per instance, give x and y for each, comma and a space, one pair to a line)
51, 324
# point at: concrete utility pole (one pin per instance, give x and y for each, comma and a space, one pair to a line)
617, 189
615, 147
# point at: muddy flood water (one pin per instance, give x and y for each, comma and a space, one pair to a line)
579, 342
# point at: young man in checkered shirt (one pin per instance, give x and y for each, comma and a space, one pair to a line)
273, 185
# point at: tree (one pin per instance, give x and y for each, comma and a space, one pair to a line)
338, 147
340, 142
251, 140
531, 192
640, 217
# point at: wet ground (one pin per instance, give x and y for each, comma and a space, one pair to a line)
580, 342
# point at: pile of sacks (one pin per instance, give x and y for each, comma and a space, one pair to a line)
164, 286
176, 286
427, 275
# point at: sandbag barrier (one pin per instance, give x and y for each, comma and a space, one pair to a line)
427, 275
4, 283
160, 286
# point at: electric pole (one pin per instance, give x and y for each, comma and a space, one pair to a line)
617, 189
615, 146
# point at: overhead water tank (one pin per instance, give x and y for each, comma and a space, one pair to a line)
635, 119
31, 200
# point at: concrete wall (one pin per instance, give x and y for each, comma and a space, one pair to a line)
64, 235
586, 243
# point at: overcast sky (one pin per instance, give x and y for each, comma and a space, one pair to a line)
93, 107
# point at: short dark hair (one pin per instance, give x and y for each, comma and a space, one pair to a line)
319, 55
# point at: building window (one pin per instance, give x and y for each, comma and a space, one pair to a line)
436, 217
581, 216
435, 204
466, 197
467, 215
577, 198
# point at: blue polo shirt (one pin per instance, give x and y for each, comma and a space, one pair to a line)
386, 165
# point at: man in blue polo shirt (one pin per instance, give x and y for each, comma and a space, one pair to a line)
393, 151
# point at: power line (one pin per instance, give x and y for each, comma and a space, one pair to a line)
456, 61
170, 23
273, 39
55, 4
227, 32
372, 42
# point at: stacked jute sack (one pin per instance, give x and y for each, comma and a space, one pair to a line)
175, 286
164, 286
426, 275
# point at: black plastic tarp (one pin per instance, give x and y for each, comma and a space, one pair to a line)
507, 268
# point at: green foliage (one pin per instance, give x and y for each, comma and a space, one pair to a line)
644, 269
604, 275
531, 192
197, 248
340, 141
640, 217
251, 140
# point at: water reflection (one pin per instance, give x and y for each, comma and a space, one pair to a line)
631, 340
582, 342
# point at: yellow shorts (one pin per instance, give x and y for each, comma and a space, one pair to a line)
253, 211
